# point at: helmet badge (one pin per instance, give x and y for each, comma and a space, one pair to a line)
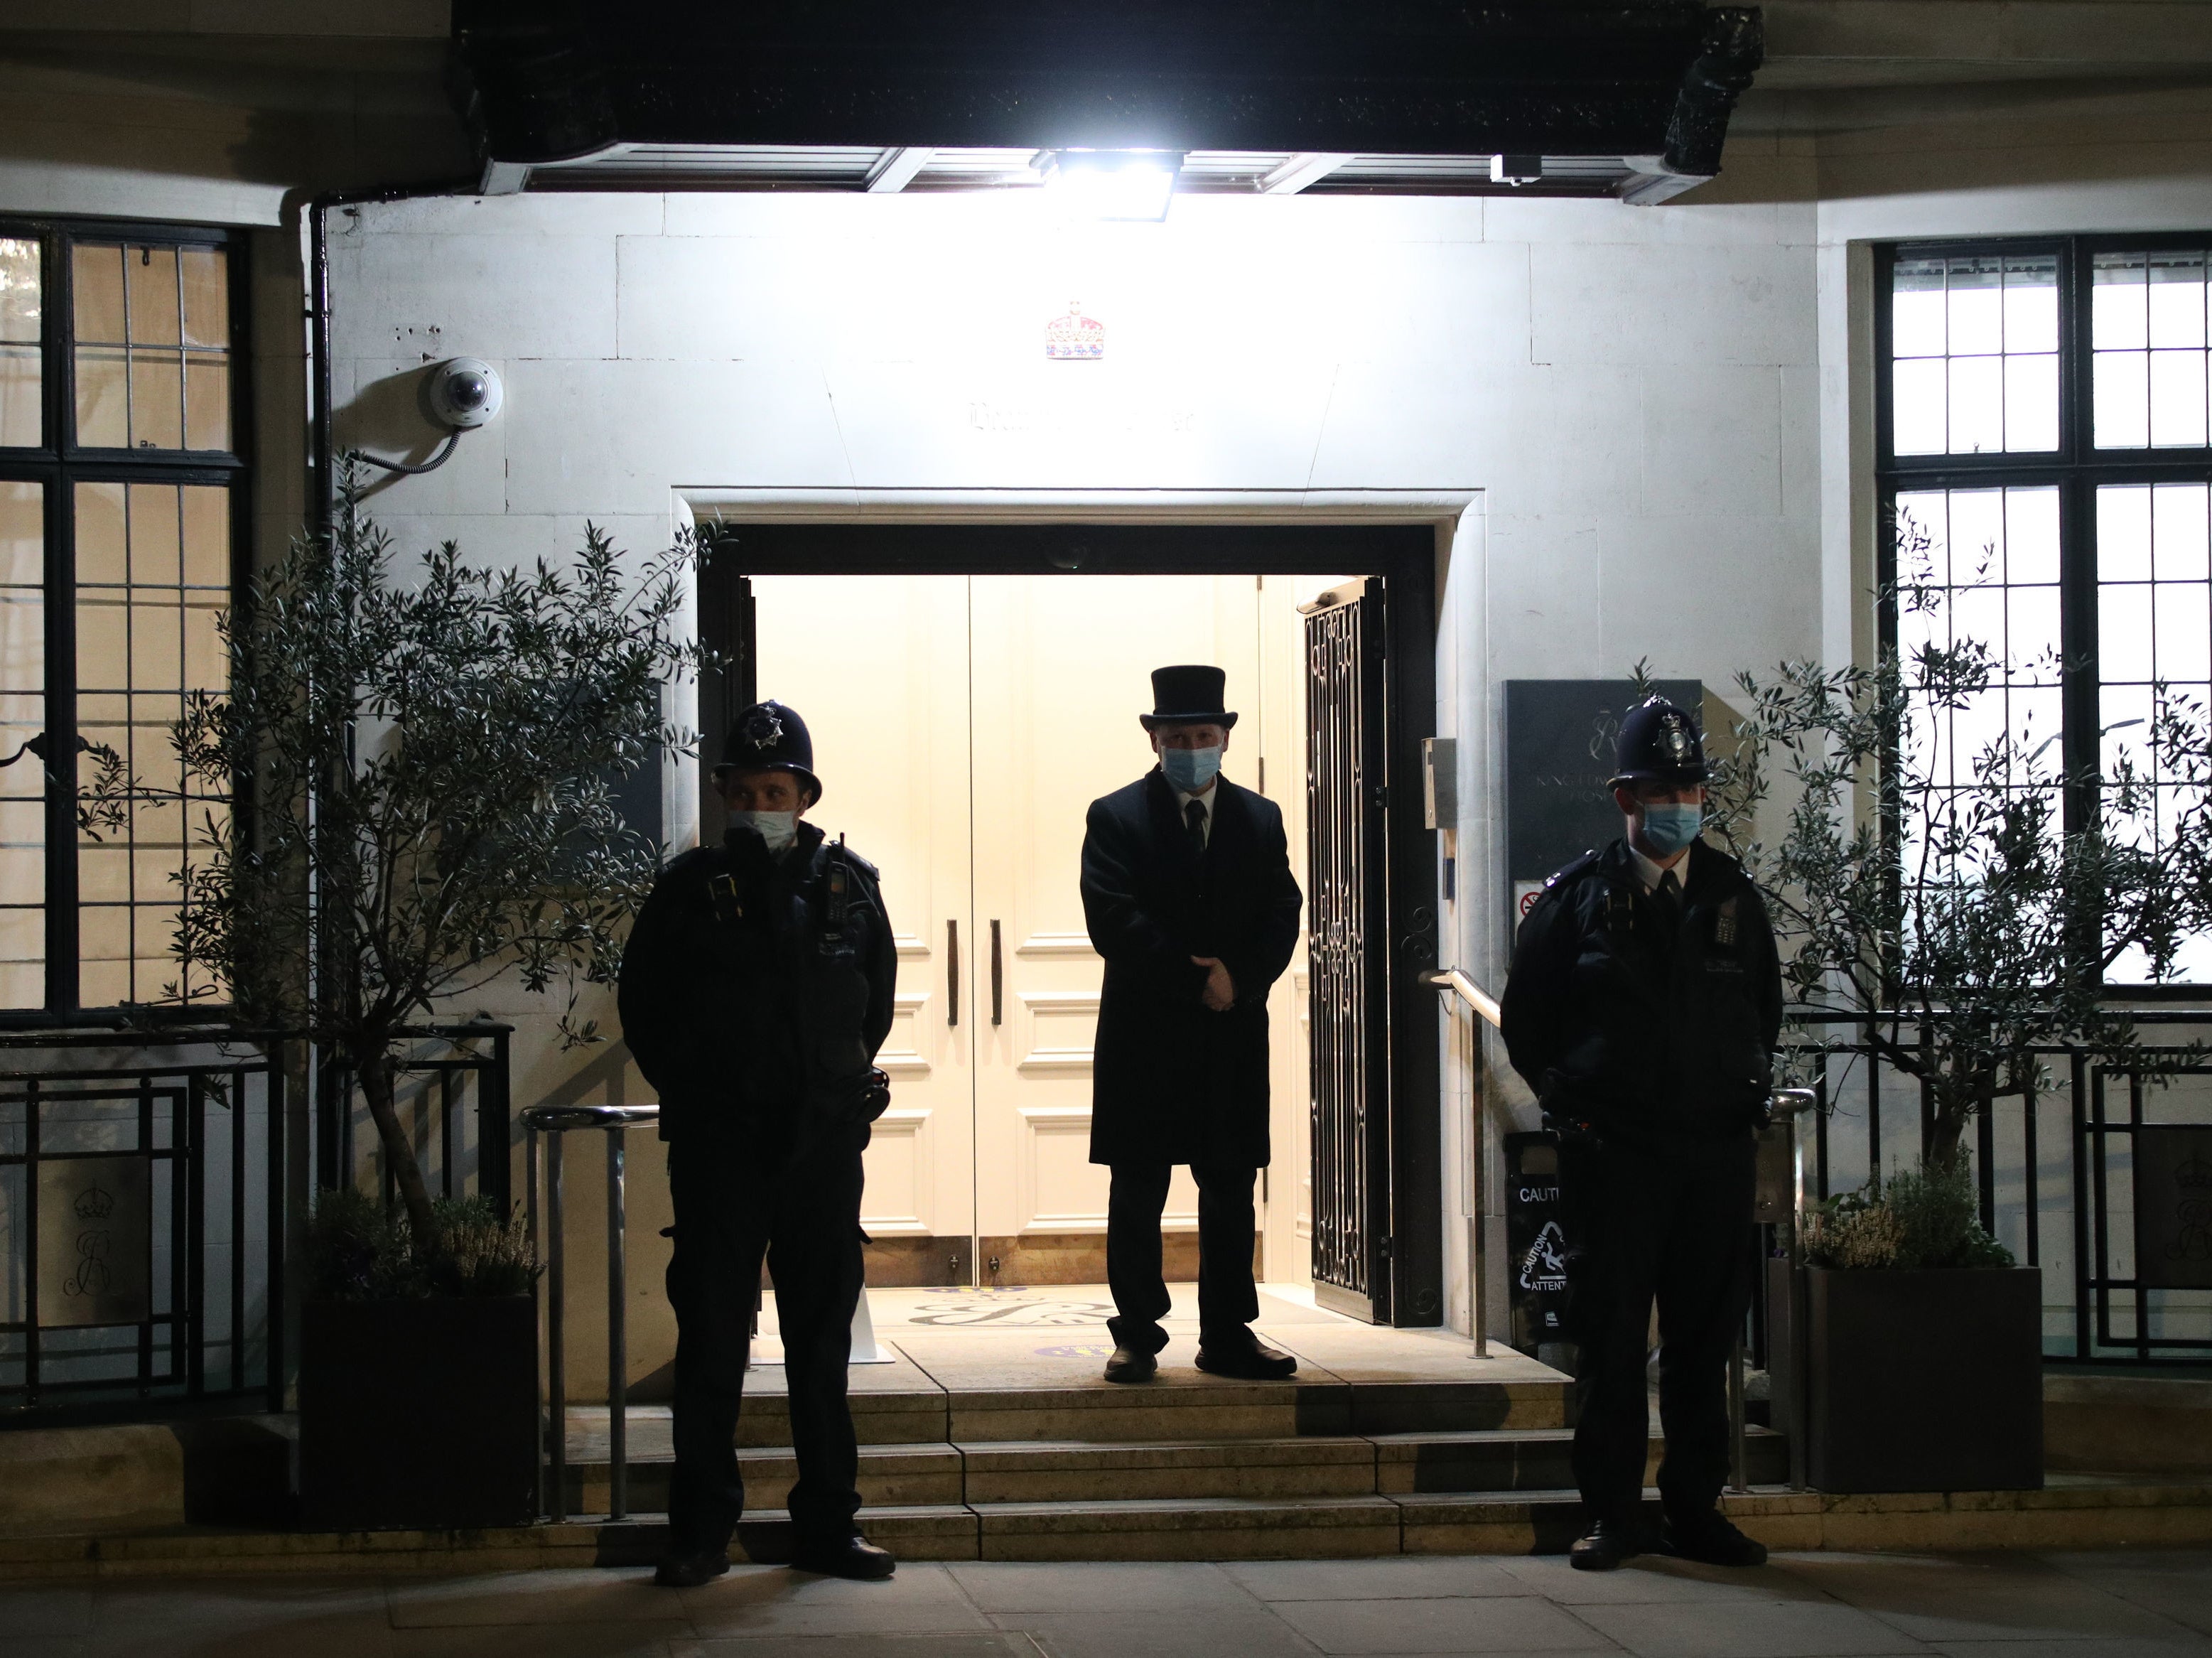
1675, 737
762, 729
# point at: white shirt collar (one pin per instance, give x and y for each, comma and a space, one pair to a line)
1207, 800
1651, 873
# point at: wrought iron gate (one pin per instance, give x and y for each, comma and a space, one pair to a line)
1347, 954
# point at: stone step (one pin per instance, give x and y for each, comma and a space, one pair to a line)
1535, 1459
1191, 1529
891, 1476
903, 1418
1181, 1405
1075, 1471
2074, 1511
1055, 1472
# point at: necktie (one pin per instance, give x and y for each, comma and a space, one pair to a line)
1194, 815
1668, 893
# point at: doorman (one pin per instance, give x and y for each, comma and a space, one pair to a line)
756, 991
1643, 1008
1189, 898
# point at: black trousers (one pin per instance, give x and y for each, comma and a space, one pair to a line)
1674, 1226
732, 1208
1227, 1302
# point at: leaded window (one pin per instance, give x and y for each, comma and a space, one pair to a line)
2044, 457
121, 521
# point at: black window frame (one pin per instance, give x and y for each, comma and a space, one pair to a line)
60, 463
2076, 468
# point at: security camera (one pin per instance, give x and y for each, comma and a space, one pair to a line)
462, 392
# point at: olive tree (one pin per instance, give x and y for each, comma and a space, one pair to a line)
1942, 877
424, 766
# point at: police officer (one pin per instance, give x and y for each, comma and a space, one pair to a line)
755, 990
1644, 1006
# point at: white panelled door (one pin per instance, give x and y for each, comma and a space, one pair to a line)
1062, 669
887, 706
962, 726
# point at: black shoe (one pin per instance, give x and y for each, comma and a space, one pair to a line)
688, 1572
1711, 1538
1248, 1360
1127, 1364
855, 1558
1606, 1545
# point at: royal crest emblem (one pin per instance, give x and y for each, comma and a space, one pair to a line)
1675, 737
1074, 337
762, 729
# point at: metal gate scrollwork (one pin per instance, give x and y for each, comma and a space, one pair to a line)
1346, 866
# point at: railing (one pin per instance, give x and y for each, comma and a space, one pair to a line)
145, 1208
2087, 1209
1482, 1005
428, 1092
1778, 1206
142, 1178
553, 1122
1775, 1200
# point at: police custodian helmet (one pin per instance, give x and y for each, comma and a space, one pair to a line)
1659, 744
769, 737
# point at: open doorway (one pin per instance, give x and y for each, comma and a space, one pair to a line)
965, 711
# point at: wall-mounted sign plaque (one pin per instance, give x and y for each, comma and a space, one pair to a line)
95, 1231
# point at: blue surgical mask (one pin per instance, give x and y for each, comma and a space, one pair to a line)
1189, 770
1668, 828
778, 828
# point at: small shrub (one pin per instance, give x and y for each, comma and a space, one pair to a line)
479, 1254
1918, 1218
359, 1251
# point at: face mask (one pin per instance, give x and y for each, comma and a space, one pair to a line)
778, 828
1189, 770
1668, 828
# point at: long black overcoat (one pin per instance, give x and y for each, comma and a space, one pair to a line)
1172, 1080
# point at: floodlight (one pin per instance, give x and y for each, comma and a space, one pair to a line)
1113, 183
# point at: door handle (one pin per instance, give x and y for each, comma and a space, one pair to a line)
997, 971
952, 971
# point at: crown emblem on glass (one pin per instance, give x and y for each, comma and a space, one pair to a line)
2193, 1175
94, 1203
1074, 337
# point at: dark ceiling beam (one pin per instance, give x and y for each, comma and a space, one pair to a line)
547, 80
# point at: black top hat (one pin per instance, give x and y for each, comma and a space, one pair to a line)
1659, 744
769, 737
1188, 696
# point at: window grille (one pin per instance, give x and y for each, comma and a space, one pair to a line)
121, 535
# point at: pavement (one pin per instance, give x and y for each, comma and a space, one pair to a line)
2120, 1604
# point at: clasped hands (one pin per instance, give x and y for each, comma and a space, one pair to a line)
1220, 993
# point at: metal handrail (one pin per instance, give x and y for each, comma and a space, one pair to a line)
1451, 979
1786, 1105
1480, 1002
553, 1121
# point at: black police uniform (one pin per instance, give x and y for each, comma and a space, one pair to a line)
755, 990
1646, 1023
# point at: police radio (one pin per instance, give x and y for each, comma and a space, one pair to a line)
722, 890
840, 903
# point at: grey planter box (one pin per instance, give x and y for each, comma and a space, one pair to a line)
1925, 1381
